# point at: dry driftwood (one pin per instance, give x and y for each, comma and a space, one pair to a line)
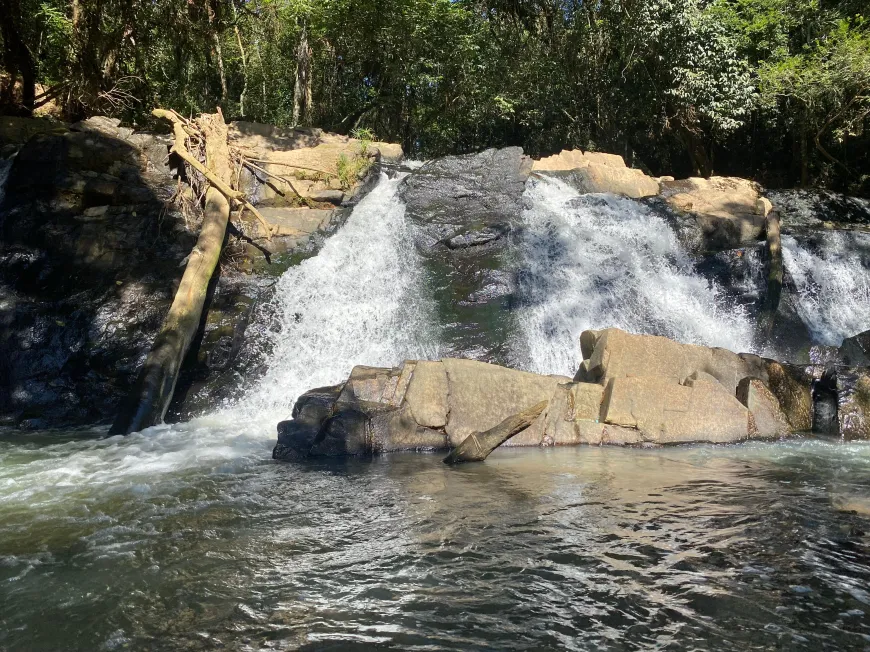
478, 445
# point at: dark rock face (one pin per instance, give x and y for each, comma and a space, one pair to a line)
803, 209
90, 256
458, 195
856, 350
464, 209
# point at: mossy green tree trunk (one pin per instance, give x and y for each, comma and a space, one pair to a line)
149, 399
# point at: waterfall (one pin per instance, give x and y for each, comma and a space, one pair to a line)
831, 276
360, 301
5, 168
599, 261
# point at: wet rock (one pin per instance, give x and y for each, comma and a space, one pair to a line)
315, 406
464, 209
346, 433
295, 439
769, 419
804, 209
792, 387
855, 350
853, 397
482, 190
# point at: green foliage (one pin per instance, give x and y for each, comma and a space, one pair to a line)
770, 88
351, 168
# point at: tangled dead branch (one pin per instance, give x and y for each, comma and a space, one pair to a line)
185, 130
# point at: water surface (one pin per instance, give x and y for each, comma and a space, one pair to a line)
758, 546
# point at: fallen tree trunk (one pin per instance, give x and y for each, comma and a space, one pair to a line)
478, 445
149, 399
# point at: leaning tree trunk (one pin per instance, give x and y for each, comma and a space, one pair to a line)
149, 399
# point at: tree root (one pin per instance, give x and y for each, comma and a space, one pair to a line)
182, 130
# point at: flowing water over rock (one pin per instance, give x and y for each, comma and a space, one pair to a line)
831, 275
190, 537
360, 301
599, 261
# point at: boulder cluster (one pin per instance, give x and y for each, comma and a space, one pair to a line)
629, 390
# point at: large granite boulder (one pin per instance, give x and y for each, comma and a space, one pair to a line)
599, 172
664, 411
631, 390
421, 405
613, 353
729, 211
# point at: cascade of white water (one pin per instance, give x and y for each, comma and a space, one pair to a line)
599, 261
831, 273
5, 168
360, 301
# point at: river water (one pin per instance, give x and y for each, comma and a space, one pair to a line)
758, 546
191, 537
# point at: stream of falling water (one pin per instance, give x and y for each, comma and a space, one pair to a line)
600, 261
831, 275
360, 301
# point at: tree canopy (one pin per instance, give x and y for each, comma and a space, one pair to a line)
774, 89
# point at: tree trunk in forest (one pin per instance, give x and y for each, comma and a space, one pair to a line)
16, 57
478, 445
244, 62
302, 89
149, 399
212, 24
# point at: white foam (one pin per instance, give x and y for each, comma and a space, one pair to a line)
832, 279
360, 301
602, 261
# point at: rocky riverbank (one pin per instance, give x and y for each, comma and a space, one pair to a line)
97, 223
629, 390
96, 226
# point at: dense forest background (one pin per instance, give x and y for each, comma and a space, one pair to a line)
777, 90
